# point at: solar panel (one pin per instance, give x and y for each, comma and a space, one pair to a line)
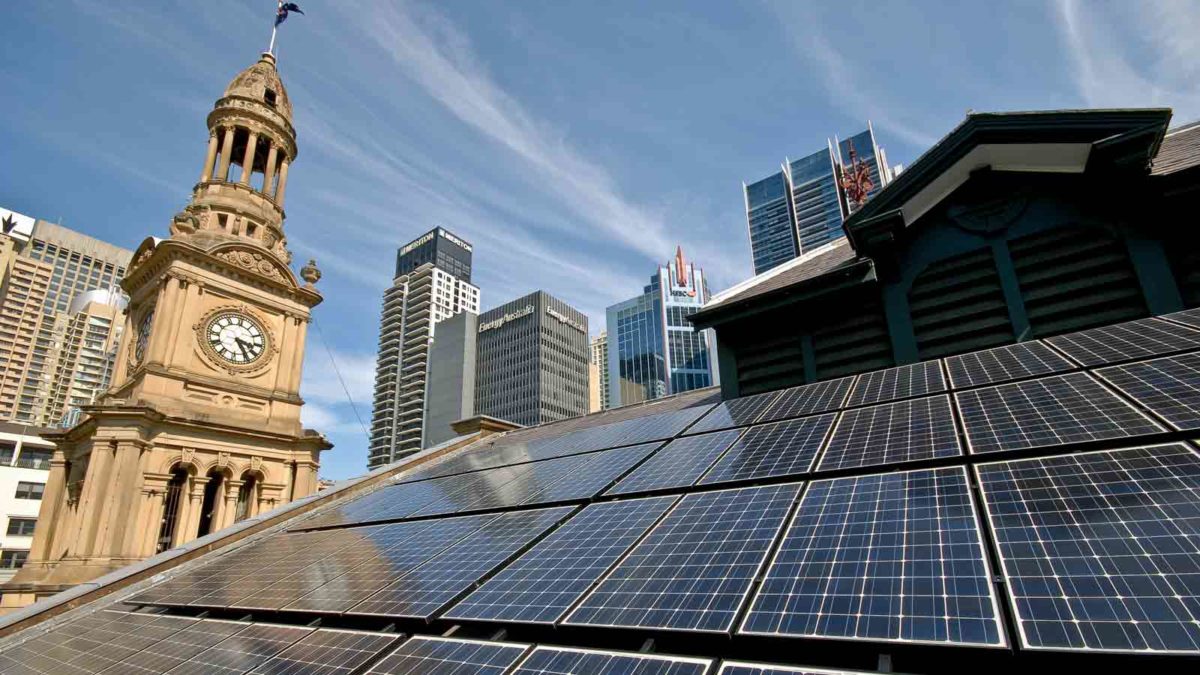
694, 569
917, 379
388, 503
1169, 387
892, 433
1191, 317
735, 413
1049, 411
243, 651
477, 459
808, 399
1100, 549
327, 652
1127, 341
492, 488
889, 557
679, 464
165, 655
91, 644
1004, 364
424, 590
542, 584
560, 661
598, 473
778, 449
744, 668
445, 656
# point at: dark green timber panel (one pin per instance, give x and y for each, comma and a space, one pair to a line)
957, 305
1074, 278
853, 344
772, 361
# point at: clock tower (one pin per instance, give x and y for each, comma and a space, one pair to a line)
201, 427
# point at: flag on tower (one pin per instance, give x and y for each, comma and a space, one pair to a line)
284, 9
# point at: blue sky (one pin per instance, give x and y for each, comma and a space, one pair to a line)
575, 143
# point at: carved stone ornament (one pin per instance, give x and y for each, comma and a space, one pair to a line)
189, 455
254, 262
223, 459
74, 490
269, 350
310, 273
256, 463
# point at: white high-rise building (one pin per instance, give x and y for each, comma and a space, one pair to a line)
599, 360
433, 284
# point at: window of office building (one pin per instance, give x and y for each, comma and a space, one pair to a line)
21, 527
29, 490
13, 559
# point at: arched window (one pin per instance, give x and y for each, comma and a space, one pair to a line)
212, 501
170, 512
247, 497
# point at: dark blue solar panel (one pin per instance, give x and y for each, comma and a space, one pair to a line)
735, 413
424, 590
1127, 341
388, 503
778, 449
1169, 387
1059, 410
808, 399
1002, 364
163, 656
1101, 550
892, 433
1190, 317
327, 652
444, 656
243, 651
562, 661
917, 379
600, 470
542, 584
893, 557
679, 464
694, 569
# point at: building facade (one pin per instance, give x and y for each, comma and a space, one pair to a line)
803, 205
450, 389
433, 283
653, 351
24, 468
599, 359
61, 311
201, 427
532, 361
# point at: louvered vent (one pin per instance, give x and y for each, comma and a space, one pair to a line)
766, 364
957, 306
855, 344
1073, 278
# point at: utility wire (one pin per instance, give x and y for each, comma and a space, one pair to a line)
338, 372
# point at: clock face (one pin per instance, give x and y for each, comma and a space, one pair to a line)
143, 336
236, 338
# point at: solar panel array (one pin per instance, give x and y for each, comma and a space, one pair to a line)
875, 509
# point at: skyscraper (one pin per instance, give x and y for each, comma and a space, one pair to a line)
532, 361
60, 318
433, 283
803, 205
653, 350
599, 358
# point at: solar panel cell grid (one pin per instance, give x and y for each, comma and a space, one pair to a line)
1126, 341
1003, 364
1169, 387
600, 470
555, 661
893, 557
778, 449
392, 502
694, 569
243, 651
891, 433
680, 463
735, 413
1190, 317
1101, 550
327, 652
442, 656
808, 399
165, 655
1050, 411
424, 590
917, 379
542, 584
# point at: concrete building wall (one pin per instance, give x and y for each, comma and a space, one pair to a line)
450, 384
23, 460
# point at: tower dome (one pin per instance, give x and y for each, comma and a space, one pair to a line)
261, 83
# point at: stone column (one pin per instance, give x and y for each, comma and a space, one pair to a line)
52, 510
122, 500
150, 516
248, 158
283, 169
269, 172
210, 157
189, 524
306, 477
94, 499
229, 508
226, 151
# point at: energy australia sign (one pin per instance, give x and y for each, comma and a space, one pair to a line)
510, 316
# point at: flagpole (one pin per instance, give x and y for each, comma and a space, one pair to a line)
274, 26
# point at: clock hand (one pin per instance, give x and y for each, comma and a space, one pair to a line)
242, 346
